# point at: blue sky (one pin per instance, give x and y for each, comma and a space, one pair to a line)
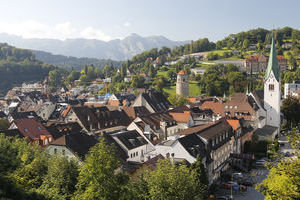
175, 19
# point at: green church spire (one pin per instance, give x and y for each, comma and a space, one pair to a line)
273, 63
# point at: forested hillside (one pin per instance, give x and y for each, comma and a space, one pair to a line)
70, 62
18, 66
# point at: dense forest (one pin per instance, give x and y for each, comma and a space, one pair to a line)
18, 66
70, 62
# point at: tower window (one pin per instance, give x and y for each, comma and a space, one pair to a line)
271, 87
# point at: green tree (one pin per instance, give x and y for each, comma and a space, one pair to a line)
178, 100
246, 44
159, 83
61, 178
98, 178
291, 110
4, 124
137, 81
201, 179
283, 181
170, 182
85, 69
74, 75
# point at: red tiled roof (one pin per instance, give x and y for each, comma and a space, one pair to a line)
181, 117
234, 123
66, 111
31, 128
215, 106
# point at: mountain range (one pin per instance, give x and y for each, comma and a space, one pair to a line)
91, 48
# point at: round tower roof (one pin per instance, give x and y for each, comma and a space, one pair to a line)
181, 72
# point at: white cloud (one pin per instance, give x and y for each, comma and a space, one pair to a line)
62, 31
92, 33
127, 24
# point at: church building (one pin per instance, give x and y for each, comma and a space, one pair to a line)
269, 108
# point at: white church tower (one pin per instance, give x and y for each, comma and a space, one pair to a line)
272, 95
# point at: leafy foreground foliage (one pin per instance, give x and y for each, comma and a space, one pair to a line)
170, 182
283, 181
29, 172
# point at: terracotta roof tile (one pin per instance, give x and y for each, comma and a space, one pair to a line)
31, 128
235, 124
181, 72
215, 106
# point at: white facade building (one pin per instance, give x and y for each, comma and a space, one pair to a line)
289, 88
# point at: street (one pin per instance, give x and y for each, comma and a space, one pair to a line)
258, 175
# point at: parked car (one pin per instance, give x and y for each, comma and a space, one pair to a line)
225, 185
225, 197
246, 183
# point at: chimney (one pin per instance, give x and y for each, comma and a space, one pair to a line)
91, 126
172, 158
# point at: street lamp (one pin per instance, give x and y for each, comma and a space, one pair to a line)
231, 195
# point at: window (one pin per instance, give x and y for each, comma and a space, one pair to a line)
63, 152
55, 150
40, 128
137, 153
271, 87
26, 130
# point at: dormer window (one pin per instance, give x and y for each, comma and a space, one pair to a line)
40, 128
26, 130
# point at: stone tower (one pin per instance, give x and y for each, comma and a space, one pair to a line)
182, 84
272, 97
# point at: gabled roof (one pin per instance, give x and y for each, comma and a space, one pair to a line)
194, 145
156, 100
215, 129
31, 128
13, 133
78, 142
259, 96
58, 130
273, 63
22, 115
154, 119
133, 112
267, 130
2, 114
234, 123
215, 106
130, 139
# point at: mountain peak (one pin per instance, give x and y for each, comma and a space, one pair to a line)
115, 49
